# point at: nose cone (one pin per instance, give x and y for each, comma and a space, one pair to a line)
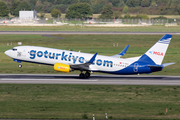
8, 52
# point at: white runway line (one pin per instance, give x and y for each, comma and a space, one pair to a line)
94, 80
17, 79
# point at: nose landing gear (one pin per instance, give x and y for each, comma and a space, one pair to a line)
20, 65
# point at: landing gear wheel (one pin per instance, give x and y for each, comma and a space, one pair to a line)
81, 75
87, 75
20, 66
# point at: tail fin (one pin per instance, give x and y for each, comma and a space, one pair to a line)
157, 52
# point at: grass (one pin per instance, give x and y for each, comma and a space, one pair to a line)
82, 101
79, 28
27, 101
103, 44
167, 16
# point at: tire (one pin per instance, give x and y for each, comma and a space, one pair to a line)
20, 66
87, 74
81, 75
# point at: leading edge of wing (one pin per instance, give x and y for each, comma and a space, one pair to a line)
123, 52
84, 66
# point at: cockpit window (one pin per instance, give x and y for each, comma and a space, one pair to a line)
14, 49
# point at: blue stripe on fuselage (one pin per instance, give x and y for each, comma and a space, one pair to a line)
134, 68
140, 66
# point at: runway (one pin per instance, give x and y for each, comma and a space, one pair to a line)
83, 33
93, 80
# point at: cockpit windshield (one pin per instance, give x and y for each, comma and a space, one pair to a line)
14, 49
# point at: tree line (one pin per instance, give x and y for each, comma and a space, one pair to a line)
158, 7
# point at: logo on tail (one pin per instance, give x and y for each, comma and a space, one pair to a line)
156, 53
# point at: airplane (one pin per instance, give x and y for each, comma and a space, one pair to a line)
67, 61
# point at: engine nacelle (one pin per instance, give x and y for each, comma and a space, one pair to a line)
62, 67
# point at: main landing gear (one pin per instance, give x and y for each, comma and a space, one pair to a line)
86, 75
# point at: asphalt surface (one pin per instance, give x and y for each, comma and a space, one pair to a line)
93, 80
85, 33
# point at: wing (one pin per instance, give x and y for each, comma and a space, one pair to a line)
122, 52
84, 66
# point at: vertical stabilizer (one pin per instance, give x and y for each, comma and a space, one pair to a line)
158, 51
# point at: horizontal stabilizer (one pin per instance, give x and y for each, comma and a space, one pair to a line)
123, 52
167, 64
155, 68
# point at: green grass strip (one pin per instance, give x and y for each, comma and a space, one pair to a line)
80, 101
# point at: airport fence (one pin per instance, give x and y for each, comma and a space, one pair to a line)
119, 21
89, 21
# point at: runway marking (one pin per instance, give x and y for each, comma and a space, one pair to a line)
94, 80
14, 79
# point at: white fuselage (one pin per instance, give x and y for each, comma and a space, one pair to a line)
66, 61
50, 56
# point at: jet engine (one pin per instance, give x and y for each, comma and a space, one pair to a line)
62, 67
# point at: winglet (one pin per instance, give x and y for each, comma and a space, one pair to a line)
122, 52
92, 59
